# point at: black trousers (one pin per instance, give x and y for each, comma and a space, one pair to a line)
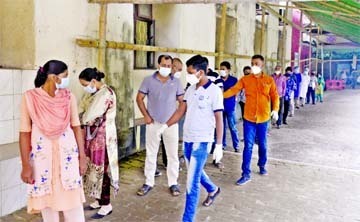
286, 110
242, 107
310, 94
281, 107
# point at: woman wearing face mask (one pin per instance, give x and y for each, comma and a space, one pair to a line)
52, 147
97, 116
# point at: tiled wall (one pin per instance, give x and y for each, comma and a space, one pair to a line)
12, 189
12, 84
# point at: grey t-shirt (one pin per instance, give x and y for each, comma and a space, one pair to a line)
161, 97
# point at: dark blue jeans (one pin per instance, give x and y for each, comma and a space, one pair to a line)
196, 156
252, 130
230, 119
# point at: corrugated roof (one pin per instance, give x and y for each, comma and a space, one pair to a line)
341, 17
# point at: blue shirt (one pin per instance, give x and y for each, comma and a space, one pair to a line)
298, 81
290, 87
230, 103
161, 97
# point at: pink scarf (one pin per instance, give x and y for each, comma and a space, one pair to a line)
50, 114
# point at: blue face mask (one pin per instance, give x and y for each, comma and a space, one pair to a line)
64, 83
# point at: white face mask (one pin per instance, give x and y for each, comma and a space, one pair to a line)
64, 83
306, 72
223, 73
277, 72
164, 71
177, 75
90, 89
192, 79
255, 69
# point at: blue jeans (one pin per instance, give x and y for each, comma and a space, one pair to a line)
252, 130
196, 156
230, 118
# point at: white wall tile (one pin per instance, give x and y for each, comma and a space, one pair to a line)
7, 107
6, 82
10, 200
17, 81
17, 102
23, 198
16, 129
0, 202
10, 173
6, 131
27, 79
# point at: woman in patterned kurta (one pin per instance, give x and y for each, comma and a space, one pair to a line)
52, 146
97, 114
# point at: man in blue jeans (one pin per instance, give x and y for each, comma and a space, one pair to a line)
260, 90
203, 104
229, 115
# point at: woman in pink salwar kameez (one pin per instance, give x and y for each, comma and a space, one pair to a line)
52, 146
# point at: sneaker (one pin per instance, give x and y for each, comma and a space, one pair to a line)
104, 211
157, 173
285, 123
144, 190
243, 180
263, 171
93, 206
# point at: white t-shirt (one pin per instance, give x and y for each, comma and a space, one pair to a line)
202, 103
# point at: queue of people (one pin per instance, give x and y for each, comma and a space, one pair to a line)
69, 151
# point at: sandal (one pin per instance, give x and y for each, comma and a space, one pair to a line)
210, 199
174, 190
144, 190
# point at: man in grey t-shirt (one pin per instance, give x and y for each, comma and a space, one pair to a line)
163, 93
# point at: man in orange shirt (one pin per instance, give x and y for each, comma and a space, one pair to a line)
260, 91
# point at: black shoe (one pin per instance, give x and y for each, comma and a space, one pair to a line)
99, 216
157, 173
285, 123
219, 165
175, 190
278, 127
144, 190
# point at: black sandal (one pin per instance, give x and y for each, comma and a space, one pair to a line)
175, 190
210, 199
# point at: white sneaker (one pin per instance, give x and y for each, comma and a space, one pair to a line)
95, 205
105, 210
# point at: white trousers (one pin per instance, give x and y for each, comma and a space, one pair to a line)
72, 215
171, 143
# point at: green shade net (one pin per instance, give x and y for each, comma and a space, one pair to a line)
342, 17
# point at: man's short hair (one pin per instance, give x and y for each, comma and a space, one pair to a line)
258, 57
166, 57
177, 60
246, 67
288, 69
226, 64
198, 62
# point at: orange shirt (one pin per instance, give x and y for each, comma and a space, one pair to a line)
259, 91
